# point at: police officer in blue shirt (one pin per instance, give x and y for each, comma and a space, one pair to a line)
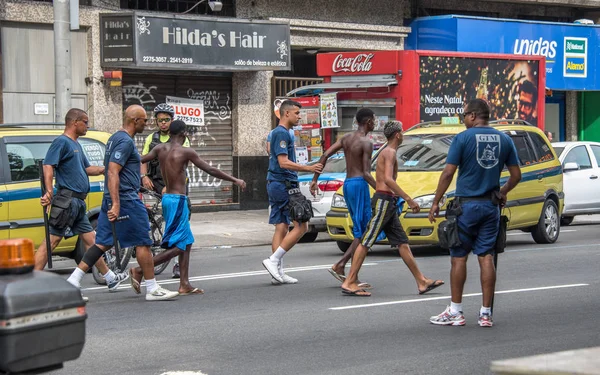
281, 177
66, 161
121, 199
480, 154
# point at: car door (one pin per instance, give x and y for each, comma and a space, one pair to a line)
525, 201
579, 184
4, 202
595, 176
25, 212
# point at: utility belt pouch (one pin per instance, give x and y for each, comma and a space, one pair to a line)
448, 229
300, 208
501, 239
60, 212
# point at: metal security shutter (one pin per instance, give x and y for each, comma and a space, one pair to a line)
213, 142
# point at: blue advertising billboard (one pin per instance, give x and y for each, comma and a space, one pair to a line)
571, 50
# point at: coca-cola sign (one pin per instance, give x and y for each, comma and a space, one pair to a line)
359, 63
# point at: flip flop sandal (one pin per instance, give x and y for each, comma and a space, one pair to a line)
337, 276
137, 288
193, 291
432, 286
355, 293
365, 286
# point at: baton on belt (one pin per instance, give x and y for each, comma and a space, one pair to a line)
45, 211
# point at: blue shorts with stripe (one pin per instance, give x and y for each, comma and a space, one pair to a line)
178, 232
384, 218
358, 200
134, 231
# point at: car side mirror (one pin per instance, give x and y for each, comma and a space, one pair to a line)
572, 166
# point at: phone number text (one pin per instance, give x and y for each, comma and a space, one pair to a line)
168, 60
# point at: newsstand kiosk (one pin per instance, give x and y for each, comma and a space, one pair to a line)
418, 86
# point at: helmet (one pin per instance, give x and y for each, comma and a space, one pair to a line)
164, 108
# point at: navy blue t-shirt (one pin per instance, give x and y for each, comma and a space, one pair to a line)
480, 154
69, 162
121, 149
281, 143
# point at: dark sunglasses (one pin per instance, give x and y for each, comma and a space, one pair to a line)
463, 115
165, 120
140, 118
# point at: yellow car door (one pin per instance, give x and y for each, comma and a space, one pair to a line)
526, 200
25, 212
4, 223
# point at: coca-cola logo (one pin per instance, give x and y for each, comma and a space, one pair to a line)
357, 64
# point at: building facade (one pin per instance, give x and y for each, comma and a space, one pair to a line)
237, 104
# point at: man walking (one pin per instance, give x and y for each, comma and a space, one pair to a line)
122, 179
358, 149
178, 237
480, 153
65, 160
281, 177
151, 172
385, 217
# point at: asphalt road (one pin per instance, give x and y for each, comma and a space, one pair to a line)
548, 301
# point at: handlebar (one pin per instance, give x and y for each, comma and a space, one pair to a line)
143, 190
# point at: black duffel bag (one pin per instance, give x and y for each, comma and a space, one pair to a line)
300, 208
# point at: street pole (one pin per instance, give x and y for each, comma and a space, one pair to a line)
62, 59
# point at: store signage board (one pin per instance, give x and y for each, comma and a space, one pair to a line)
116, 35
357, 63
572, 61
187, 110
195, 43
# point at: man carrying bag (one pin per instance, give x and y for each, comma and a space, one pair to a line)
480, 154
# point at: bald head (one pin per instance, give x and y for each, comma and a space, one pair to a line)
134, 111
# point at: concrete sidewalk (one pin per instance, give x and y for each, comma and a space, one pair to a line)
251, 228
234, 228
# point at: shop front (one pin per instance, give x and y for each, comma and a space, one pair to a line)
418, 86
190, 64
570, 51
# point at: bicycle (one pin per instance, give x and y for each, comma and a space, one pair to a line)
156, 234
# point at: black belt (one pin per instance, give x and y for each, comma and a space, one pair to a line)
73, 194
484, 198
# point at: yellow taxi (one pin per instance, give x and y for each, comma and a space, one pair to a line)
22, 147
534, 206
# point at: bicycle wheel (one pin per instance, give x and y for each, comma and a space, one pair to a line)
111, 262
156, 233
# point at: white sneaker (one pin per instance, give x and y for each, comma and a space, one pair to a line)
161, 294
288, 279
273, 269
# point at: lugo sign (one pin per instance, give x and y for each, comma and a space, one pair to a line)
572, 60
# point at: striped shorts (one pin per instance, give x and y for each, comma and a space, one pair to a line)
385, 218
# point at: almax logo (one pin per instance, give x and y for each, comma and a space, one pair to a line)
535, 47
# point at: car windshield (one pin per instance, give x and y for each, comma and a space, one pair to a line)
559, 150
335, 164
424, 152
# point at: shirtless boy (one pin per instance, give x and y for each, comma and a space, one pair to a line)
178, 238
385, 217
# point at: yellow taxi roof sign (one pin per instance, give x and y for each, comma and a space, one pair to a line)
450, 121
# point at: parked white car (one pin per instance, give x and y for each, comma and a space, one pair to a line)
581, 178
329, 182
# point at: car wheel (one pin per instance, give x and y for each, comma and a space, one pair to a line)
566, 221
343, 246
548, 227
309, 237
